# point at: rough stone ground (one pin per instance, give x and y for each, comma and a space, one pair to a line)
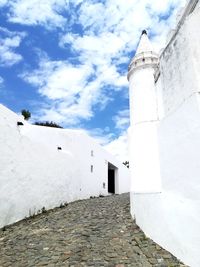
94, 232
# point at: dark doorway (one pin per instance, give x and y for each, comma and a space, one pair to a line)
111, 181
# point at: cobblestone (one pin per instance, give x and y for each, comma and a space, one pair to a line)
94, 232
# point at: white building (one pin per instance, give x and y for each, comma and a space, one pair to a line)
45, 167
164, 138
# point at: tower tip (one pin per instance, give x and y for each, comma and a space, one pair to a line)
144, 32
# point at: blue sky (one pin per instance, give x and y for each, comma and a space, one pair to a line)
66, 60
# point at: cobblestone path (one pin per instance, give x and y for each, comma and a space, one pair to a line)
94, 232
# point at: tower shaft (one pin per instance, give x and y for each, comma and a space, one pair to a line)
143, 138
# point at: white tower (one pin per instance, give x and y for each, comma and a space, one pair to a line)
143, 137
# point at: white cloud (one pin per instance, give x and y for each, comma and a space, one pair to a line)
122, 119
99, 52
3, 2
70, 92
101, 135
9, 41
96, 44
126, 20
119, 147
110, 16
37, 12
59, 79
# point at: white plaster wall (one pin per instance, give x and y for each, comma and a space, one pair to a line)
180, 148
172, 217
34, 174
144, 154
123, 181
178, 73
193, 35
159, 97
172, 221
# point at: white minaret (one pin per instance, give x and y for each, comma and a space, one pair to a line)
143, 137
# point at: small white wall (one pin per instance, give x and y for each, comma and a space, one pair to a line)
123, 181
35, 174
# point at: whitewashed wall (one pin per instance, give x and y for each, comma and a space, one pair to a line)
172, 217
35, 174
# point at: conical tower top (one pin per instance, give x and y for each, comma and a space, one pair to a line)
144, 44
145, 55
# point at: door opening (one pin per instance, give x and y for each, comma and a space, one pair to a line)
111, 178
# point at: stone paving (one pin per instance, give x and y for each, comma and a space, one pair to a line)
95, 232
